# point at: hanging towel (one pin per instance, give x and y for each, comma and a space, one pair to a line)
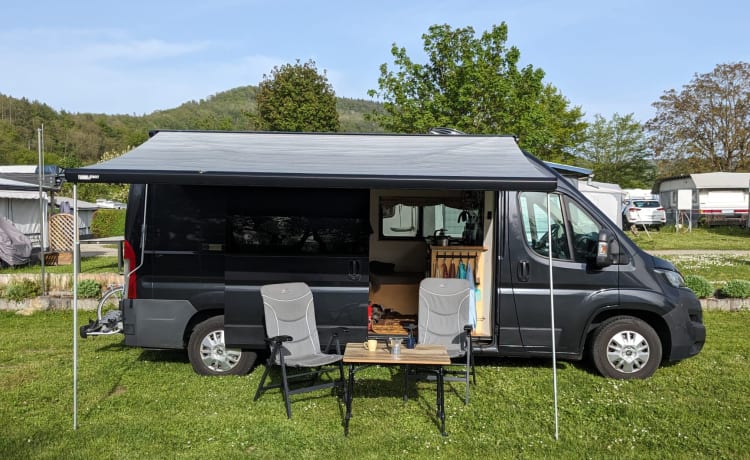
443, 271
452, 272
472, 297
461, 270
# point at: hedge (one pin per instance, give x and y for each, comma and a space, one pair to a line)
108, 222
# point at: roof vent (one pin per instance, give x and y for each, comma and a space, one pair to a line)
445, 131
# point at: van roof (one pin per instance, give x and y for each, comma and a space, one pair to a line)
324, 160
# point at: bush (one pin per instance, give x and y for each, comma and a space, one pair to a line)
20, 290
108, 222
89, 289
700, 286
738, 289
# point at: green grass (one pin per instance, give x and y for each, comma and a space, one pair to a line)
98, 264
148, 404
717, 238
716, 268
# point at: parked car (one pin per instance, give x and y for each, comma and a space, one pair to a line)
643, 212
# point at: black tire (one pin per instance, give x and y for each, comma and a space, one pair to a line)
624, 347
209, 355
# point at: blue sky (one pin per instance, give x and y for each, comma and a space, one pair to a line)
138, 56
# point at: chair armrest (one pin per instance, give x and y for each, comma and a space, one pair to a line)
279, 339
468, 328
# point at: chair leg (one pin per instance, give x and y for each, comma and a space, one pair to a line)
261, 389
466, 376
285, 388
473, 370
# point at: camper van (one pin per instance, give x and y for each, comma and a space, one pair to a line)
362, 219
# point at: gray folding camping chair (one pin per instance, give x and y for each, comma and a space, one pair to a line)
444, 319
294, 343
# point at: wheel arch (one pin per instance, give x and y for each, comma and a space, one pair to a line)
197, 318
654, 320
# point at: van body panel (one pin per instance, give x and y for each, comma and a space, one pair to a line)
156, 323
686, 329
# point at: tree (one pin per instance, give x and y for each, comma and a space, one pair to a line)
706, 126
617, 151
296, 98
475, 85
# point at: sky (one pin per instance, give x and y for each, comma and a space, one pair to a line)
136, 57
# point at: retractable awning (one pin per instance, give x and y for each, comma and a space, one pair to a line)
324, 160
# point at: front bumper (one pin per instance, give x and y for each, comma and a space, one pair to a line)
687, 331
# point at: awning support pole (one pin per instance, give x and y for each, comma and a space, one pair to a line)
552, 312
76, 255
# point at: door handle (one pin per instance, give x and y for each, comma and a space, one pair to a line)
523, 270
354, 274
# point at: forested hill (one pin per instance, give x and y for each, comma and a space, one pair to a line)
82, 138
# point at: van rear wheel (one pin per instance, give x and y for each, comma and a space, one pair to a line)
209, 354
625, 347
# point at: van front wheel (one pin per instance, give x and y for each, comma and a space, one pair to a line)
210, 356
624, 347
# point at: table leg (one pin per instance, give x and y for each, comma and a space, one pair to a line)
348, 395
406, 381
441, 400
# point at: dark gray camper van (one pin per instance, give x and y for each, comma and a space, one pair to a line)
362, 219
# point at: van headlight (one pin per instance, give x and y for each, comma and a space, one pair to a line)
673, 278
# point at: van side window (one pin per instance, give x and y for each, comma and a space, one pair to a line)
293, 223
186, 218
534, 215
585, 232
457, 216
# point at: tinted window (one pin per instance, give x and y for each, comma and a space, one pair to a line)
299, 222
186, 218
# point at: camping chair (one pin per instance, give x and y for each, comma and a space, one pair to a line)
294, 342
444, 319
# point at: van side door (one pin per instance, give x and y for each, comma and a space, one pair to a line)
316, 236
579, 288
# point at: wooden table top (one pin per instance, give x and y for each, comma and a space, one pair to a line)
429, 355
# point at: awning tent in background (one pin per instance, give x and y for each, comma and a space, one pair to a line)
388, 161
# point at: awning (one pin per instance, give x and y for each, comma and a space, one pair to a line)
324, 160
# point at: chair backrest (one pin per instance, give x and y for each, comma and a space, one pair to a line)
289, 310
443, 310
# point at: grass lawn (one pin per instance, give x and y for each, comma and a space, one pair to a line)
135, 403
716, 238
716, 268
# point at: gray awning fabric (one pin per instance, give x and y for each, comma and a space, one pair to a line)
324, 160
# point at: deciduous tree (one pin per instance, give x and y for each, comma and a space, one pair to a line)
617, 151
706, 126
296, 98
474, 84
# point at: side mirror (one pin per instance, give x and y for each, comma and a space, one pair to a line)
603, 250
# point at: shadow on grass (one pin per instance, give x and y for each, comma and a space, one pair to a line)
541, 362
164, 356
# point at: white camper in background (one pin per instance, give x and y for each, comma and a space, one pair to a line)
719, 198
